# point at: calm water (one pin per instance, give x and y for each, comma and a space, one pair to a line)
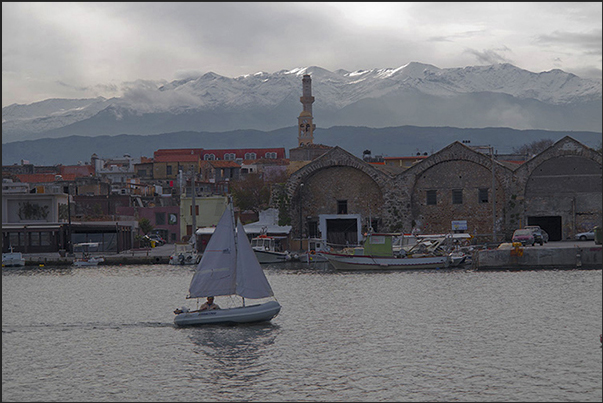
107, 334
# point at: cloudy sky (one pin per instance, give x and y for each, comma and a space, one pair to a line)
80, 50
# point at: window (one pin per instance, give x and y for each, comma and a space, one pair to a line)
230, 156
250, 156
457, 196
168, 170
342, 206
313, 229
159, 218
35, 239
432, 197
196, 210
45, 239
483, 195
209, 157
270, 155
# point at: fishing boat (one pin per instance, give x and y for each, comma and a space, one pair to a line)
315, 247
184, 254
13, 259
229, 267
86, 259
377, 254
264, 247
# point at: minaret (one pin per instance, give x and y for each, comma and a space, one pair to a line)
305, 131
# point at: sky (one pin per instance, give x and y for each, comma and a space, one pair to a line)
88, 49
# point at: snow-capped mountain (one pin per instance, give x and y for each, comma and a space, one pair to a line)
418, 94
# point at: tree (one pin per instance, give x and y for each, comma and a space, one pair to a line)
145, 225
534, 147
251, 193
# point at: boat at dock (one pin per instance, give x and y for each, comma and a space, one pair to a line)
184, 254
265, 250
377, 253
13, 259
86, 259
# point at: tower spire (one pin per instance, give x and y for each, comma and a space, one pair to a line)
305, 125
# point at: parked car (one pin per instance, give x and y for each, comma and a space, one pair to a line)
586, 236
524, 235
157, 238
540, 235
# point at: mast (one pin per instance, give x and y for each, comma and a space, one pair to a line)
234, 226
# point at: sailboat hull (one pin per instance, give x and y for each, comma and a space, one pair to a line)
245, 314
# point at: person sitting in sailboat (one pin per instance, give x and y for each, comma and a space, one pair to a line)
207, 306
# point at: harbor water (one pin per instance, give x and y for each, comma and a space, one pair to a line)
106, 333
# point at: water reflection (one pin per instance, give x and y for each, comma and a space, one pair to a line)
232, 357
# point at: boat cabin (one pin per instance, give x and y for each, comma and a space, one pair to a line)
264, 242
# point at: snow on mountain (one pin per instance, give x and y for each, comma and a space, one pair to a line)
267, 101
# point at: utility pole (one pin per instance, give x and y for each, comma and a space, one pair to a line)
194, 208
493, 197
301, 226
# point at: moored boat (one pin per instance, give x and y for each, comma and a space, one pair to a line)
13, 259
86, 259
377, 254
264, 247
184, 254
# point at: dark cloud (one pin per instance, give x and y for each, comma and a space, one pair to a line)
489, 56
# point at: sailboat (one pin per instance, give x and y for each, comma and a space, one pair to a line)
229, 266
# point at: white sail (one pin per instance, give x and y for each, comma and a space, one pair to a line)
216, 272
251, 281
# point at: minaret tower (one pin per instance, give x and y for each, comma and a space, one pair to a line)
305, 131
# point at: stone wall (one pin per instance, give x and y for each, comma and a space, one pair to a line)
564, 180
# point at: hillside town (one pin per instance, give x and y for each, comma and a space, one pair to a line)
311, 192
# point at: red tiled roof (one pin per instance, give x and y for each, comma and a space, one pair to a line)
43, 178
78, 170
219, 154
177, 158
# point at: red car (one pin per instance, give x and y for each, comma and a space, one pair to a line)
524, 235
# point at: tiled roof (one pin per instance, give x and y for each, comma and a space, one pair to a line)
177, 158
43, 178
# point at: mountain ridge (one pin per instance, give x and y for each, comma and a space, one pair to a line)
420, 94
389, 141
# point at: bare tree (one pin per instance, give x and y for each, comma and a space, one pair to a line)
534, 147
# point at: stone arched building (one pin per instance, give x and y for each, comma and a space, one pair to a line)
337, 195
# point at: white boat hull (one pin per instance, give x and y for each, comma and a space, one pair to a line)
184, 260
362, 262
244, 314
265, 256
13, 259
88, 261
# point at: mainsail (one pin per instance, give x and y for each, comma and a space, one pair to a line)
229, 266
216, 272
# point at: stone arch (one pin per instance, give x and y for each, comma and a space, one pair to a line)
561, 189
464, 171
336, 176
